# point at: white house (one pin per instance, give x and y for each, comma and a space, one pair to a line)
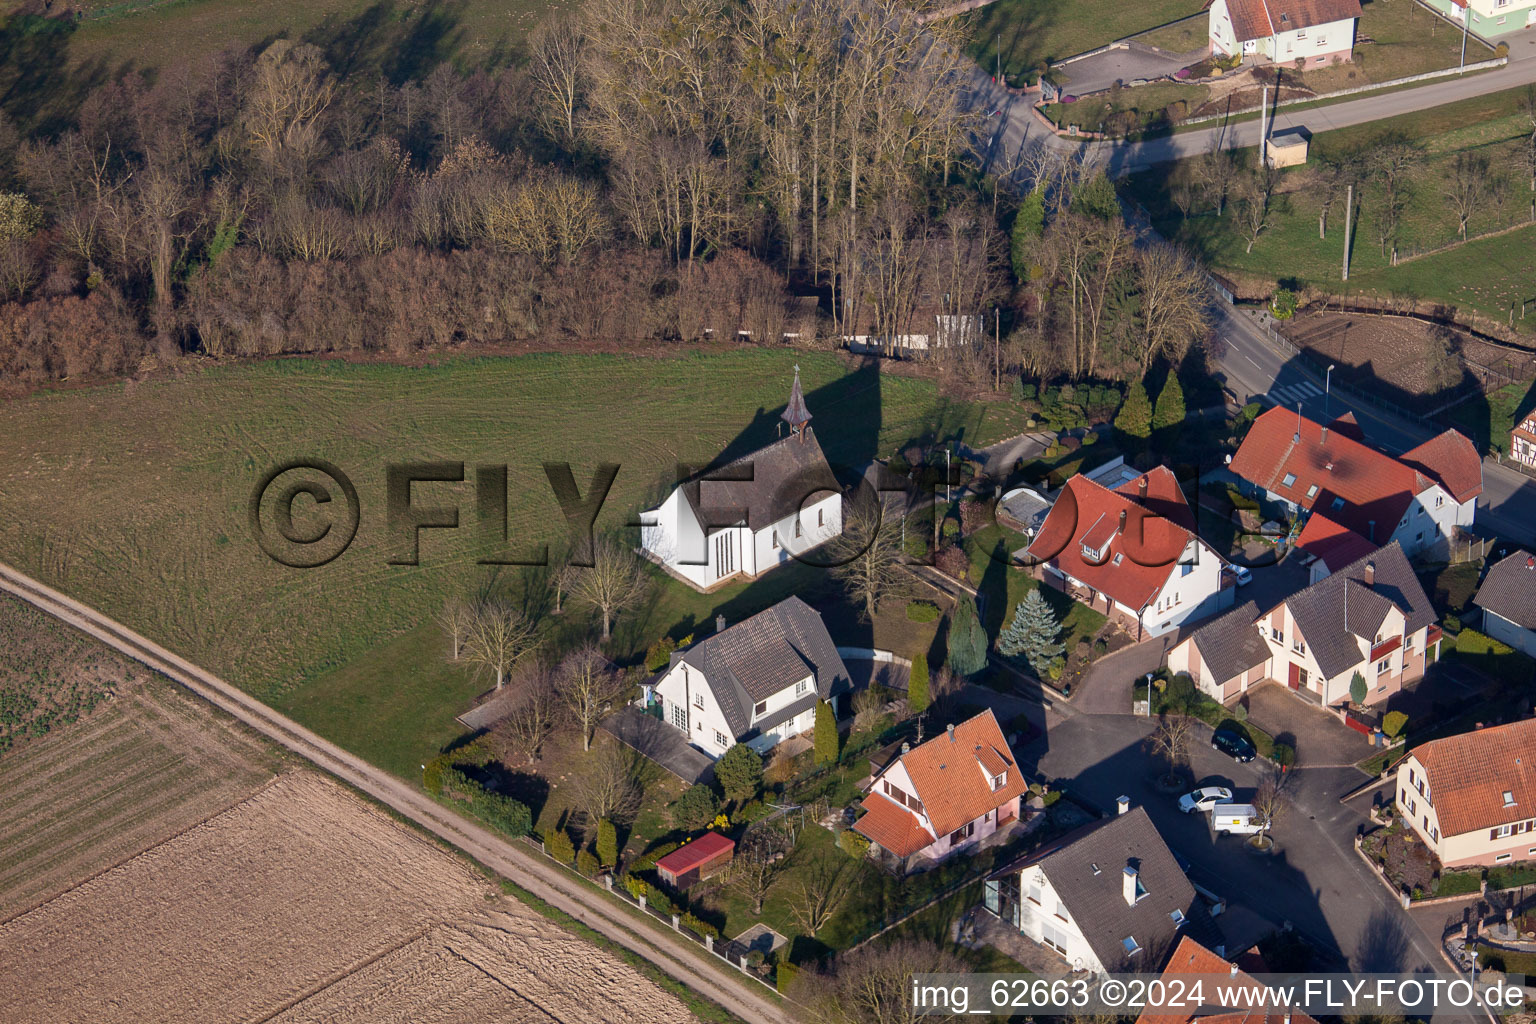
1489, 17
1508, 600
757, 682
1417, 499
1283, 31
1131, 553
944, 795
1522, 441
744, 518
1107, 898
1472, 796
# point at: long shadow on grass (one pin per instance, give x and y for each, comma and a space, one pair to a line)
40, 87
385, 39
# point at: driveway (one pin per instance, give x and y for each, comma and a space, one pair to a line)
1105, 688
659, 742
1318, 736
1314, 879
1125, 63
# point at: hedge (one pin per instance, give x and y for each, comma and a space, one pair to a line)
501, 813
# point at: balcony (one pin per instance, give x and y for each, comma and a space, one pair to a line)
1386, 647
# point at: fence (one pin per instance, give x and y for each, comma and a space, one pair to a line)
732, 953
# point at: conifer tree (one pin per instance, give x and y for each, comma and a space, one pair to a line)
918, 697
1134, 421
1032, 635
967, 638
1168, 417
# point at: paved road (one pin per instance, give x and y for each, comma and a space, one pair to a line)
1254, 367
1016, 127
673, 954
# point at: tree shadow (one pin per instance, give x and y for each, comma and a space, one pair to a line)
1383, 946
41, 88
399, 43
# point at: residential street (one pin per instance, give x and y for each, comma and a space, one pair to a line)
1020, 127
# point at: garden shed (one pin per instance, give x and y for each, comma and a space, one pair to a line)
693, 862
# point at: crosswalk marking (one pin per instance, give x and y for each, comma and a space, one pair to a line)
1293, 393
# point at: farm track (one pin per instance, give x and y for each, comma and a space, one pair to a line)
671, 953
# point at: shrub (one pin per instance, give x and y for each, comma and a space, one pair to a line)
751, 811
1028, 392
922, 611
1502, 50
1092, 437
917, 685
648, 859
1284, 303
1451, 623
607, 843
586, 863
1357, 688
950, 530
740, 773
1050, 798
659, 654
826, 738
699, 927
695, 809
1016, 389
1283, 755
558, 845
853, 844
967, 638
1240, 713
785, 976
637, 887
952, 562
1100, 647
432, 776
501, 813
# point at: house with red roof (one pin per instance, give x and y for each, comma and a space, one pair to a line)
1417, 499
1472, 797
1522, 442
1131, 552
1316, 32
944, 795
1194, 964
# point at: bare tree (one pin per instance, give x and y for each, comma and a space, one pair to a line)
498, 637
529, 725
759, 861
587, 685
823, 888
1528, 148
554, 61
1253, 196
867, 554
1174, 302
1466, 187
608, 783
1268, 802
614, 580
873, 984
1172, 739
455, 617
866, 709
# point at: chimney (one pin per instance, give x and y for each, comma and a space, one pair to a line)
1141, 486
906, 748
1530, 561
1128, 886
1232, 971
1122, 521
719, 623
1122, 804
1325, 436
1370, 574
951, 728
1371, 531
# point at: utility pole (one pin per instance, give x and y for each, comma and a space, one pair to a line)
1264, 129
1000, 61
1466, 22
1349, 213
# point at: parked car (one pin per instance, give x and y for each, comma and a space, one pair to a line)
1204, 799
1238, 819
1235, 745
1242, 575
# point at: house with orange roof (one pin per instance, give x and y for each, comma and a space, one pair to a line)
944, 795
1131, 552
1328, 546
1522, 442
1190, 963
1315, 32
1417, 499
1472, 797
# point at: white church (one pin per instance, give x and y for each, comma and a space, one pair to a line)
740, 520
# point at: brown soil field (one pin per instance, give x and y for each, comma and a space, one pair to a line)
1368, 349
147, 765
305, 903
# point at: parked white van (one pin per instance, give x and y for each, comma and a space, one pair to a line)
1239, 819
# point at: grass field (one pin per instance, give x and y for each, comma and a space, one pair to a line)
1486, 275
136, 500
1031, 32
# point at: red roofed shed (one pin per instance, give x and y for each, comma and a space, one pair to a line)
693, 862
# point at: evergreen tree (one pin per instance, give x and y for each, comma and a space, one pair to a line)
1357, 688
1032, 633
740, 771
607, 843
1168, 417
1134, 420
917, 685
826, 734
967, 638
1096, 198
1028, 225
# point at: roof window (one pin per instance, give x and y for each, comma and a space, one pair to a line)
1289, 481
1312, 491
1130, 945
1338, 503
1177, 915
1509, 799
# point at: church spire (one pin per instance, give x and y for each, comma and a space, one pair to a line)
796, 414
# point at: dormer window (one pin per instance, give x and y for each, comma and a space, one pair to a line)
760, 708
999, 781
1119, 557
802, 686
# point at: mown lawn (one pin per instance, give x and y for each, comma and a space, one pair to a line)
1032, 32
1002, 587
136, 501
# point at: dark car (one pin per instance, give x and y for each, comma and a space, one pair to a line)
1235, 745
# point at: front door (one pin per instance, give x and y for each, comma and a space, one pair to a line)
1295, 679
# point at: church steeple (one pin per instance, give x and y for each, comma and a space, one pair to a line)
796, 414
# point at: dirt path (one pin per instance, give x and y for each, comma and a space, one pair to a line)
673, 954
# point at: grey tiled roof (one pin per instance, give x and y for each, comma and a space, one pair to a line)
1231, 645
760, 656
1086, 869
1509, 590
1333, 612
762, 488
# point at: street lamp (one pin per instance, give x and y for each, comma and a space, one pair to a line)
1328, 393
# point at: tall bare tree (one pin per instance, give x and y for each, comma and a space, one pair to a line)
533, 720
1466, 188
614, 580
498, 637
554, 60
867, 554
587, 686
1175, 302
873, 984
608, 783
455, 617
1172, 739
759, 862
822, 888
